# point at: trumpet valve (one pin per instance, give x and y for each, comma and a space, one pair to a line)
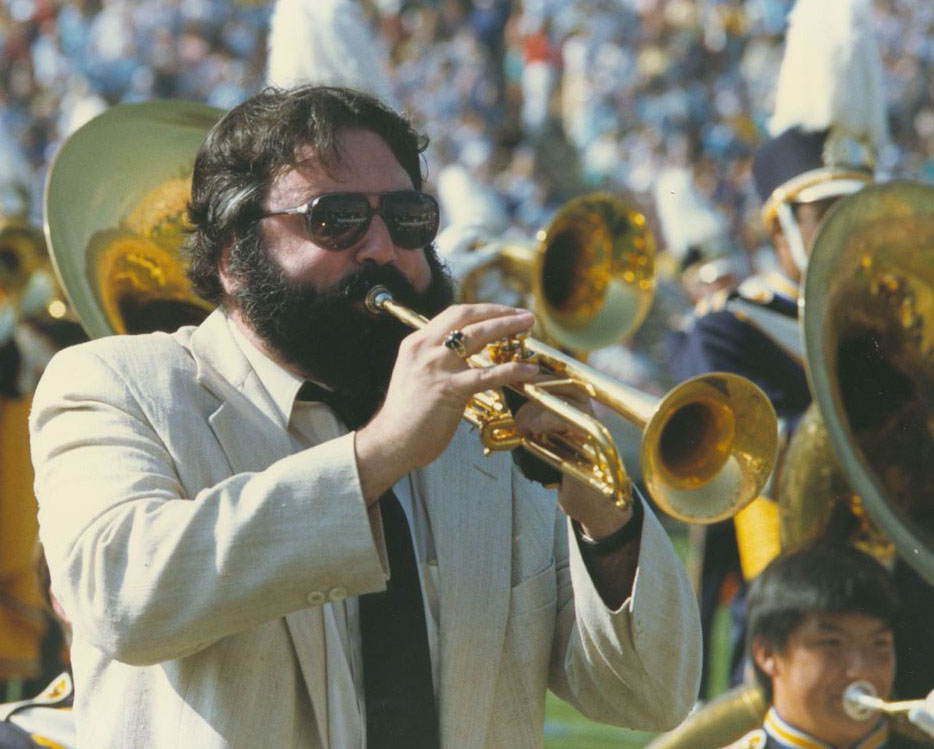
508, 349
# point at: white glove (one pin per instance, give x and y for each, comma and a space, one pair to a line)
923, 715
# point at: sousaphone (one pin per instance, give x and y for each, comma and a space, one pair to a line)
868, 328
115, 204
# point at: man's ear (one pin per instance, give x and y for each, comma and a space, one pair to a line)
228, 282
764, 657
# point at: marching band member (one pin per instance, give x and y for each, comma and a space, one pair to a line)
819, 619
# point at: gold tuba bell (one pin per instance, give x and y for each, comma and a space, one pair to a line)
868, 327
115, 216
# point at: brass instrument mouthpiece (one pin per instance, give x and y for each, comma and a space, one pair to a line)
376, 298
860, 700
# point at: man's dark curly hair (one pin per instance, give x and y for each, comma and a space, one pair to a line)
256, 142
824, 577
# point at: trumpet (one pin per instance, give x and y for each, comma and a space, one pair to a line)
707, 449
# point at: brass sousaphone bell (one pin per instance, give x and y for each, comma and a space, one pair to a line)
868, 327
115, 216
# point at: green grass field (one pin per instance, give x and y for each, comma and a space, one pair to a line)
565, 728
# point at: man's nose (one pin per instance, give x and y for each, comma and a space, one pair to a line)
376, 245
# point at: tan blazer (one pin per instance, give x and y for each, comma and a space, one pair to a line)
192, 552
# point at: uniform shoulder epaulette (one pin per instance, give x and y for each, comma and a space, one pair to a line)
60, 693
752, 740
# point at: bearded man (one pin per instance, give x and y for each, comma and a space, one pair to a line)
275, 528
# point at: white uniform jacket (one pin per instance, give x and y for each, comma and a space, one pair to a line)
192, 551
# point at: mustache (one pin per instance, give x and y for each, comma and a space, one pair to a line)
356, 286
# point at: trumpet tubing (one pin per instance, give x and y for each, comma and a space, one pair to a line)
708, 446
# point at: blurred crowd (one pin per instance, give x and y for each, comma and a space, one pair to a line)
527, 103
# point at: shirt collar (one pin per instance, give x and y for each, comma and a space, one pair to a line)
281, 384
788, 736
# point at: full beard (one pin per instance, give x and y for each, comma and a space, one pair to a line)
328, 335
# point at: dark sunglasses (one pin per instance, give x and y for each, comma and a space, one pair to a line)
338, 220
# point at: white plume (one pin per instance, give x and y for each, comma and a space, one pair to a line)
327, 42
686, 218
831, 72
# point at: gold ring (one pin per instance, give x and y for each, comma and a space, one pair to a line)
456, 341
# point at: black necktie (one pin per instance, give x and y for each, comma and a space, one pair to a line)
400, 699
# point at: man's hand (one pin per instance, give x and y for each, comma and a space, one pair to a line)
598, 517
429, 389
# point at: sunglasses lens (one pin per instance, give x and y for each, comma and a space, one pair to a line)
337, 221
412, 218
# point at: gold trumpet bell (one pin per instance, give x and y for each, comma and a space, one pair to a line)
709, 447
590, 273
594, 273
115, 216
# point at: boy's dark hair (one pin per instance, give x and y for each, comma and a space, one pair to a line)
259, 139
822, 578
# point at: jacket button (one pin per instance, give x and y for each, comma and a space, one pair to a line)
338, 594
315, 598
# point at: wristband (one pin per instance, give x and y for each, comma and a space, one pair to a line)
616, 540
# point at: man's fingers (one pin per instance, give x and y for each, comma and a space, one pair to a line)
480, 334
481, 324
472, 381
459, 315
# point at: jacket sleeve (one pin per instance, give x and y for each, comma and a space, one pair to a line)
638, 666
147, 573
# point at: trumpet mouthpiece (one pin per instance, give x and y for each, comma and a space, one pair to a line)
376, 297
860, 701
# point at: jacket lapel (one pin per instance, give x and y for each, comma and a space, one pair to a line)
249, 430
469, 503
